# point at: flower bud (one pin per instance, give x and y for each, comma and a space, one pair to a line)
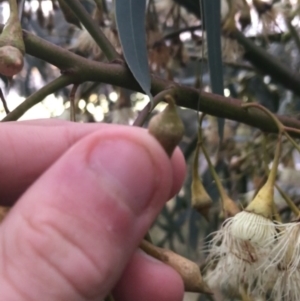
167, 127
11, 61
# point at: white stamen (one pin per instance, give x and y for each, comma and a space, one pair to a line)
253, 228
233, 261
285, 259
238, 253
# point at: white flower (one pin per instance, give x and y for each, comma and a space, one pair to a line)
285, 259
286, 286
236, 253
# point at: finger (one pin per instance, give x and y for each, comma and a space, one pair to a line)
179, 171
148, 279
28, 148
71, 234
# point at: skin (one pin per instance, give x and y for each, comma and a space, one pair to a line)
83, 197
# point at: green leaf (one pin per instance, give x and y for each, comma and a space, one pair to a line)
130, 17
212, 18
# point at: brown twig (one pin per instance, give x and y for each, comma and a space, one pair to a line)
72, 102
7, 111
81, 70
140, 120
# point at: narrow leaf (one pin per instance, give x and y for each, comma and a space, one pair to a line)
130, 17
212, 18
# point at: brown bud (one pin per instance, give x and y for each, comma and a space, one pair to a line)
188, 270
167, 127
11, 61
201, 201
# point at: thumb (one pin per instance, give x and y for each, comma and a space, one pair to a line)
71, 234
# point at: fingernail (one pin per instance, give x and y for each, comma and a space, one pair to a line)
127, 170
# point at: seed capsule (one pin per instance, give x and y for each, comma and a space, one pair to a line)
201, 201
167, 127
188, 270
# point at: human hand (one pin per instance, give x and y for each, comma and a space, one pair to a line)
84, 195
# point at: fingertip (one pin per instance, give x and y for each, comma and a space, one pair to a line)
179, 171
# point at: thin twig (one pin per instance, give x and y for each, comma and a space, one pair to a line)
93, 29
7, 111
72, 102
38, 96
142, 117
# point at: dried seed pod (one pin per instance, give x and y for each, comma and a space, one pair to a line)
167, 127
201, 201
188, 270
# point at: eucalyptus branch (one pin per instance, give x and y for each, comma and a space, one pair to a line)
93, 29
82, 69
